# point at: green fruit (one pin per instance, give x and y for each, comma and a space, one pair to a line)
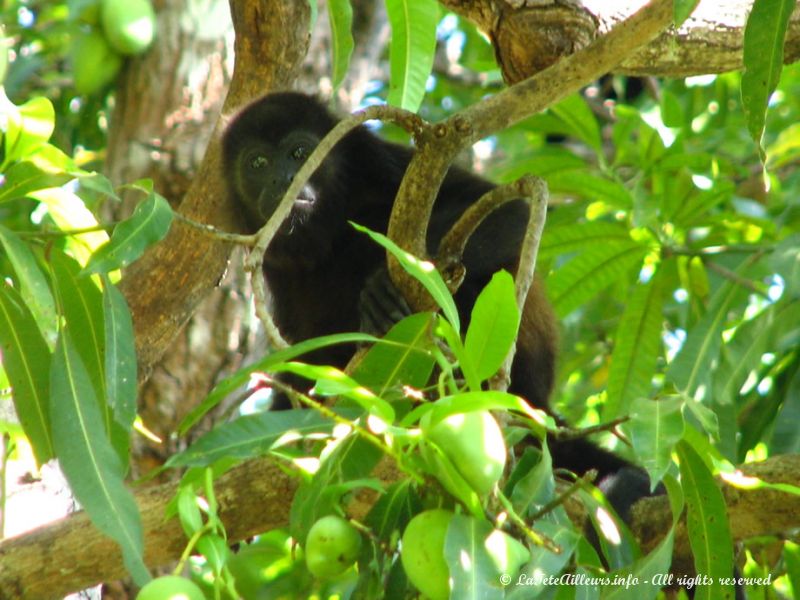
170, 587
422, 553
474, 444
85, 11
332, 547
94, 63
129, 25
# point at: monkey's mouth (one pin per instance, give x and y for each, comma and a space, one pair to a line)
305, 199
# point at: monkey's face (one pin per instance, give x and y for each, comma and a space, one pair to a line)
264, 170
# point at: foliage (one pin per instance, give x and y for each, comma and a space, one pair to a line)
67, 337
671, 257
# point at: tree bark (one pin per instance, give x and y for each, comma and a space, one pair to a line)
530, 35
71, 554
167, 284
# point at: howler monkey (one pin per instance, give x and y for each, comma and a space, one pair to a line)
318, 267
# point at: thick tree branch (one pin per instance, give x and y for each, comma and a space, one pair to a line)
529, 36
166, 285
437, 147
71, 554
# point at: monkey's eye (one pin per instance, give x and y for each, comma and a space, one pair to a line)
299, 153
259, 161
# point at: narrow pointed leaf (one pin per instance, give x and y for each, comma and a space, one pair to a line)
26, 360
764, 36
89, 462
32, 281
493, 326
424, 272
707, 524
254, 435
637, 346
25, 177
120, 356
562, 239
691, 370
241, 377
590, 272
148, 224
341, 18
411, 49
81, 303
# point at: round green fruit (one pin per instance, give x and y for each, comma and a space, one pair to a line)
94, 63
332, 547
129, 25
170, 587
474, 444
422, 553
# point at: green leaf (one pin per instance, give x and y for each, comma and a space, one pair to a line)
25, 177
340, 13
764, 37
393, 509
402, 357
330, 381
237, 380
691, 368
655, 427
465, 402
97, 182
588, 273
707, 524
785, 149
149, 223
681, 9
27, 127
580, 120
254, 435
591, 187
493, 326
120, 356
89, 462
637, 346
32, 281
351, 461
215, 550
474, 573
547, 563
785, 260
571, 237
411, 49
26, 360
650, 571
81, 305
422, 271
69, 212
692, 212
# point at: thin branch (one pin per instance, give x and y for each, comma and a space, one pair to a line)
531, 190
255, 260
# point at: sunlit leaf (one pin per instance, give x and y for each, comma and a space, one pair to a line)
637, 346
340, 13
411, 49
90, 464
149, 223
26, 360
764, 36
493, 326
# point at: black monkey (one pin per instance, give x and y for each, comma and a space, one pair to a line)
318, 268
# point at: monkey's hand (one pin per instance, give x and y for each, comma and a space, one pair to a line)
380, 304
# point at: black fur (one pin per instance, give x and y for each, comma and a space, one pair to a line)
318, 268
